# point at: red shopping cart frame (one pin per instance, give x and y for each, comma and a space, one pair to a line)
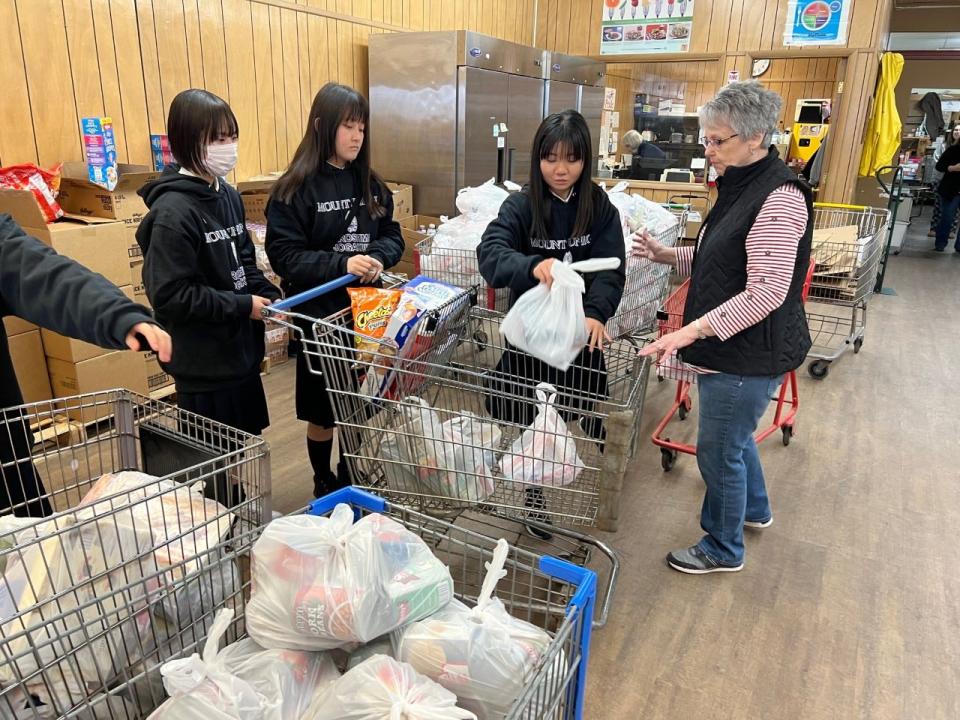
788, 399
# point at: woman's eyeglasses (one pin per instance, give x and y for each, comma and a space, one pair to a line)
716, 142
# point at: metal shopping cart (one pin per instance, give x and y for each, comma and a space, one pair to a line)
672, 368
849, 243
427, 438
119, 576
643, 293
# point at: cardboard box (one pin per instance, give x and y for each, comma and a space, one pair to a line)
14, 325
156, 377
26, 350
100, 149
79, 196
136, 282
402, 200
61, 347
134, 253
255, 192
120, 369
97, 243
411, 236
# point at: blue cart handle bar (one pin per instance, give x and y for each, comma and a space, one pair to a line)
585, 580
316, 292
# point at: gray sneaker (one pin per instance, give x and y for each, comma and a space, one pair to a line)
758, 524
695, 561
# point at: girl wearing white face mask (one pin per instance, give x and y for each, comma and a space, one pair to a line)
200, 269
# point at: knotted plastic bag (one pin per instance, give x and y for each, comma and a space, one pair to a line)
482, 654
549, 323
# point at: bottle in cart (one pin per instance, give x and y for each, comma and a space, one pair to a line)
431, 230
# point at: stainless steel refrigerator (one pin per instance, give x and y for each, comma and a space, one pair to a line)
452, 109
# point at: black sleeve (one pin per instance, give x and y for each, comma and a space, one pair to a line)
502, 261
287, 249
388, 246
606, 288
59, 294
950, 156
174, 285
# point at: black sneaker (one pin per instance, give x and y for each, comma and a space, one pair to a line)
758, 524
694, 561
535, 501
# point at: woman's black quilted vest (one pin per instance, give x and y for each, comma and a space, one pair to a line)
780, 341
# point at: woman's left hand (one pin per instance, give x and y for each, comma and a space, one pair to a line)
671, 342
597, 333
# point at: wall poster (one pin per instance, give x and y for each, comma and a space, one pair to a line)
817, 22
631, 27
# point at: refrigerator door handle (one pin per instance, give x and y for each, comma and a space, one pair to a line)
500, 166
510, 164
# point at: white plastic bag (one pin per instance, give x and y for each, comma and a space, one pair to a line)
482, 654
243, 681
550, 323
450, 459
545, 453
483, 200
383, 689
324, 582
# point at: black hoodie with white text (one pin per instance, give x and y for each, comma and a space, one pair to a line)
310, 239
200, 272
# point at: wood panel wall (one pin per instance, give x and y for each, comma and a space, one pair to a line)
719, 26
61, 60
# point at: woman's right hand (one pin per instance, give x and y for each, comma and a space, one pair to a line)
543, 272
645, 246
364, 267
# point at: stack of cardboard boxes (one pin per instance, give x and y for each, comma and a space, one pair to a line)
97, 231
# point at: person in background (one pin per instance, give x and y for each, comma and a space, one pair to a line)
328, 216
744, 323
59, 294
200, 271
561, 216
944, 222
634, 144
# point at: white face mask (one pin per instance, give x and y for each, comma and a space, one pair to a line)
221, 159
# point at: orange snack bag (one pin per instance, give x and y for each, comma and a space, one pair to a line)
372, 310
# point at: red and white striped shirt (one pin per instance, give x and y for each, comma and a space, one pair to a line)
771, 248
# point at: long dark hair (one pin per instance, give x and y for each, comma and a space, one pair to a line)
196, 118
566, 131
334, 105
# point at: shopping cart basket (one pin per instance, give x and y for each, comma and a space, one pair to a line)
429, 441
643, 294
787, 399
111, 579
849, 243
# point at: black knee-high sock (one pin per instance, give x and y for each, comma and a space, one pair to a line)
320, 452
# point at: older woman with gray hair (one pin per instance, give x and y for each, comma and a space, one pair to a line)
744, 323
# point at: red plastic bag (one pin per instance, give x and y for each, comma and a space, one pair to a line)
43, 183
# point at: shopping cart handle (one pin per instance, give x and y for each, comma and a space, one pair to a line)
316, 292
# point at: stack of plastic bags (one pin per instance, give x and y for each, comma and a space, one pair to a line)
482, 654
646, 280
82, 592
325, 582
243, 681
452, 255
451, 459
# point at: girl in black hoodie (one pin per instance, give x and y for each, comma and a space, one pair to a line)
329, 215
562, 216
200, 268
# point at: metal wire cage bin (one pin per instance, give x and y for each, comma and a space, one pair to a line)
848, 245
647, 284
460, 267
143, 500
550, 593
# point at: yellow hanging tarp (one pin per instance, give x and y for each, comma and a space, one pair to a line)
882, 139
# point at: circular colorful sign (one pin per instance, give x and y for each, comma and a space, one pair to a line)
815, 16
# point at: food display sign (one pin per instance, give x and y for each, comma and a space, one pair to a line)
817, 22
632, 27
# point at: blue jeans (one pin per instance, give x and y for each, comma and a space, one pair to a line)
730, 408
948, 208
